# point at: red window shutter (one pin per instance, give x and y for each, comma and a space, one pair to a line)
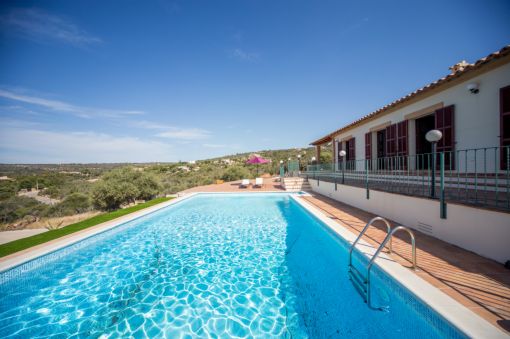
368, 145
338, 149
402, 138
351, 149
391, 140
444, 122
504, 124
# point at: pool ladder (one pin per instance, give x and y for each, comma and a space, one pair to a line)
361, 282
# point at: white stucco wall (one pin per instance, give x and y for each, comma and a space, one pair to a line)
484, 232
476, 116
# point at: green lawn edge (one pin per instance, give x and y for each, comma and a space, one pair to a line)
21, 244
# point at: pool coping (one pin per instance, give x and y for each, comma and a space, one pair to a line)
451, 310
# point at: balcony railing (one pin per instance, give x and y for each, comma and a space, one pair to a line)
479, 177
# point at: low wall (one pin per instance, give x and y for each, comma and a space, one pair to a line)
484, 232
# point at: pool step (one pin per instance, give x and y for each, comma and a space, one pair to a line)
359, 282
294, 184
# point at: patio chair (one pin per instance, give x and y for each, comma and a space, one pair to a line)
259, 182
244, 183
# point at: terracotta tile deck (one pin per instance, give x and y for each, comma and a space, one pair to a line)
478, 283
270, 184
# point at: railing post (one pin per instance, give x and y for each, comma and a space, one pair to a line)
366, 178
442, 208
343, 170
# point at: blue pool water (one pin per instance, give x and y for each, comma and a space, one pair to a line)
209, 266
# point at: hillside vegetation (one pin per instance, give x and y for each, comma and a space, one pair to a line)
78, 188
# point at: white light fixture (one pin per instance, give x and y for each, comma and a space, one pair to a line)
313, 159
473, 87
281, 161
289, 159
342, 153
299, 156
433, 135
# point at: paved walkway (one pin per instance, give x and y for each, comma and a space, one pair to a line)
478, 283
8, 236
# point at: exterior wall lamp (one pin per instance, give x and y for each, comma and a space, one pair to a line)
473, 87
342, 155
433, 137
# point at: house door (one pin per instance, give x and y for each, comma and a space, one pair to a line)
504, 123
423, 147
381, 148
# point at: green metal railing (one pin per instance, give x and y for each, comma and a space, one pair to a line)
479, 177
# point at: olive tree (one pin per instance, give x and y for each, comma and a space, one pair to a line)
124, 185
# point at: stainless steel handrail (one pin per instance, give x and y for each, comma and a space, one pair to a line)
363, 232
388, 238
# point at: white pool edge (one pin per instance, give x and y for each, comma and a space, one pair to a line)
455, 313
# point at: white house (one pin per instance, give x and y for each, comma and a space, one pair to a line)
471, 106
386, 152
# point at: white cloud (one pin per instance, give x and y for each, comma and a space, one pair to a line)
18, 145
185, 133
215, 146
39, 25
148, 124
243, 55
64, 107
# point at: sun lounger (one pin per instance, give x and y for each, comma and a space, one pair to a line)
244, 183
259, 182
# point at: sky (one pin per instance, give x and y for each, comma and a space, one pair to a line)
160, 81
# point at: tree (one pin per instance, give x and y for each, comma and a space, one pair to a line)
124, 185
8, 189
235, 173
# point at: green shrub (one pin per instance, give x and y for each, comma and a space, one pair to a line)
8, 189
235, 173
16, 208
72, 204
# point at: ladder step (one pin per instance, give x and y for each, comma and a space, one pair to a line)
353, 272
360, 288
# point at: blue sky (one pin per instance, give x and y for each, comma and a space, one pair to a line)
137, 81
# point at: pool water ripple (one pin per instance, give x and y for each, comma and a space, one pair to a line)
222, 266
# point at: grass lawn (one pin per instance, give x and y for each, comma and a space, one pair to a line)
21, 244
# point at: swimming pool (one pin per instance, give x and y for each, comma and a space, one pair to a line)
253, 265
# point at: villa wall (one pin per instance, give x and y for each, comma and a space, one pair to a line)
477, 116
484, 232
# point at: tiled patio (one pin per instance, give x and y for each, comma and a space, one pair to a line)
270, 184
478, 283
